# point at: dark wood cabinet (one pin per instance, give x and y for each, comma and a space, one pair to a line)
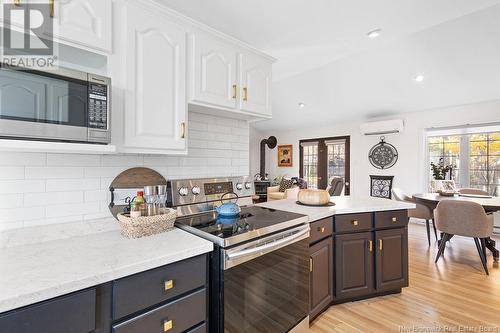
391, 259
321, 277
171, 298
354, 265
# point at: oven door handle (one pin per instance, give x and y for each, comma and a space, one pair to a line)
268, 247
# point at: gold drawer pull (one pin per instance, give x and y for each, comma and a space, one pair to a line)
394, 220
167, 325
245, 94
17, 2
310, 264
355, 222
183, 130
169, 284
321, 229
380, 244
370, 245
234, 91
51, 8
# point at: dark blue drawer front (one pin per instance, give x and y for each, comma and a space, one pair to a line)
141, 291
74, 313
183, 314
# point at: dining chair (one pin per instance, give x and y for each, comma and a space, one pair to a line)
463, 218
336, 186
420, 212
472, 191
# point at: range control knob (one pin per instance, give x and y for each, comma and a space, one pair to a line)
183, 191
248, 185
239, 186
196, 190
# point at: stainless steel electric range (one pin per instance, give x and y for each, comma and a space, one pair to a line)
259, 270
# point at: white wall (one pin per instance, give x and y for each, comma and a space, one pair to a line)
410, 170
45, 188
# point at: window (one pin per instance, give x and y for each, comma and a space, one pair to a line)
323, 158
336, 159
474, 153
310, 163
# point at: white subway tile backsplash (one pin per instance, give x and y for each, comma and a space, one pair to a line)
11, 172
55, 185
22, 186
11, 200
52, 198
15, 158
47, 188
53, 172
72, 209
75, 160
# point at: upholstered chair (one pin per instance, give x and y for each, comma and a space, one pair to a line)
421, 212
336, 186
463, 218
273, 193
473, 191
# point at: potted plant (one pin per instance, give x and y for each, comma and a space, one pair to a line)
439, 173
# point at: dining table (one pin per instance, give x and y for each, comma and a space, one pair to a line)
489, 203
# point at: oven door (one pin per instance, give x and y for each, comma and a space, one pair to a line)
39, 105
266, 283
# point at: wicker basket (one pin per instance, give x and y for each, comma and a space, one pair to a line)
147, 225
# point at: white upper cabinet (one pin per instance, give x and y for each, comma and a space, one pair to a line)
82, 23
155, 106
256, 79
213, 71
224, 75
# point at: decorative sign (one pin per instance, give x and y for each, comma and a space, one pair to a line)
285, 155
383, 155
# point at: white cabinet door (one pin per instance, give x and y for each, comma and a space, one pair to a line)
84, 22
155, 78
255, 74
213, 71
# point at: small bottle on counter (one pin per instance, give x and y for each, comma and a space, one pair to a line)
135, 210
140, 203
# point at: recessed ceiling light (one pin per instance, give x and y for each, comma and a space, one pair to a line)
419, 78
302, 105
374, 33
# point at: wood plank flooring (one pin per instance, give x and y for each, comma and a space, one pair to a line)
453, 296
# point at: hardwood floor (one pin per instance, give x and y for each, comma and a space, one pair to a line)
454, 295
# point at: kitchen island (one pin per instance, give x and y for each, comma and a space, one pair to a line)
358, 248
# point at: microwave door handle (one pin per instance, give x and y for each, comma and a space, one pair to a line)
268, 247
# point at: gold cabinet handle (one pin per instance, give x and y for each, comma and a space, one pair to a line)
310, 264
17, 3
321, 229
370, 245
235, 90
394, 220
245, 94
380, 244
51, 8
355, 222
169, 284
167, 325
183, 130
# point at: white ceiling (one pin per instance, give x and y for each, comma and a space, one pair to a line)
326, 61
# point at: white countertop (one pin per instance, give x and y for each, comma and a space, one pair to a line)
343, 205
75, 256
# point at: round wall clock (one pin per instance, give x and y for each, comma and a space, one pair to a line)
383, 155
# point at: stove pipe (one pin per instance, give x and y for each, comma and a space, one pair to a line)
271, 142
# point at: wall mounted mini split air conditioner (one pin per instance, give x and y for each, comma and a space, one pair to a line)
382, 127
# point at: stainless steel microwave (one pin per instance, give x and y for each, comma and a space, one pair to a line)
60, 105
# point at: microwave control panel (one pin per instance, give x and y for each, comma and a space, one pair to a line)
98, 106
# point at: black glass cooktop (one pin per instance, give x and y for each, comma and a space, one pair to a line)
251, 219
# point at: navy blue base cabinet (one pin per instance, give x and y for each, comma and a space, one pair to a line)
168, 299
